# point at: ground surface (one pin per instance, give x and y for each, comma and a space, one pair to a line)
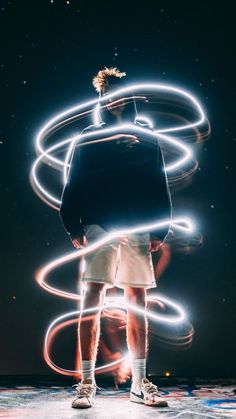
54, 402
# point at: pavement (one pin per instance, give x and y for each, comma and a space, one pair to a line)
186, 402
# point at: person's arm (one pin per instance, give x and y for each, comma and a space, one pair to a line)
163, 199
72, 198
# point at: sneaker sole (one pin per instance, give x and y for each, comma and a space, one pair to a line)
81, 407
136, 399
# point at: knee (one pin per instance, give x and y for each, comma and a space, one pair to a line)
94, 295
136, 296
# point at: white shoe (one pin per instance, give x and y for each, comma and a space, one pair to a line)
147, 393
86, 392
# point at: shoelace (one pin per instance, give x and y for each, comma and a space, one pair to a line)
152, 389
84, 389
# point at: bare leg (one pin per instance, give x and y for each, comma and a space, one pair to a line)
142, 390
137, 332
89, 329
136, 323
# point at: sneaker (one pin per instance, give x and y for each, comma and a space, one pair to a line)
147, 393
86, 391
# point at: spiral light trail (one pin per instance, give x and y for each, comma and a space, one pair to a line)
47, 156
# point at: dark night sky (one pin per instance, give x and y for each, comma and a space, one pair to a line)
50, 50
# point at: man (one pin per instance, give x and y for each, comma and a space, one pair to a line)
119, 183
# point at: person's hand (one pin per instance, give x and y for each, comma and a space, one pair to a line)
127, 138
79, 242
123, 239
154, 245
131, 139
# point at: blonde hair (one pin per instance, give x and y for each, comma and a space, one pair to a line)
100, 80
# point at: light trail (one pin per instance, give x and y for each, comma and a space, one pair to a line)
149, 135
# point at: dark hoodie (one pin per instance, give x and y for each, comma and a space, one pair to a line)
115, 184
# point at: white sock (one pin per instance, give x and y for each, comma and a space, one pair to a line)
88, 367
138, 367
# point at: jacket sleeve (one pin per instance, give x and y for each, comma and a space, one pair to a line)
72, 198
163, 198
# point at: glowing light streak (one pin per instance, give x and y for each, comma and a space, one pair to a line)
45, 155
42, 274
115, 302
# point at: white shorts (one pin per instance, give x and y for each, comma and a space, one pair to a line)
118, 264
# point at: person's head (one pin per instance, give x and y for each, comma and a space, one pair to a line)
106, 81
